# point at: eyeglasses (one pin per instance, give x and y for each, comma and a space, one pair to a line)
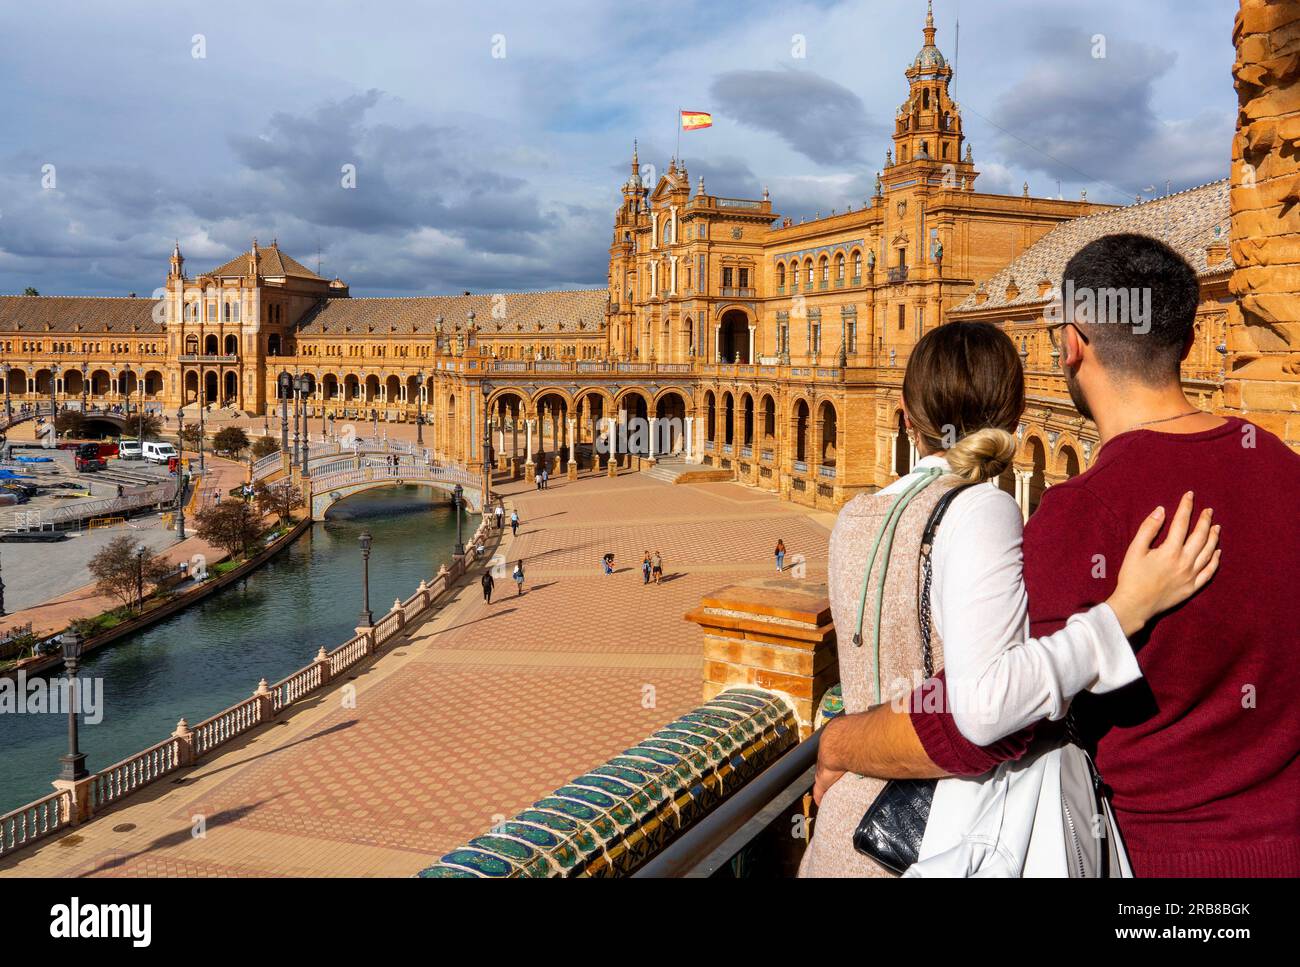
1053, 334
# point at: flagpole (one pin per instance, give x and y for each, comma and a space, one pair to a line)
679, 132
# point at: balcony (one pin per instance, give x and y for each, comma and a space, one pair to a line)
827, 472
898, 273
736, 293
208, 360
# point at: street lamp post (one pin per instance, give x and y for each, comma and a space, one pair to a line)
9, 405
203, 405
2, 591
74, 761
419, 408
300, 387
487, 449
457, 496
367, 619
54, 391
285, 382
180, 476
140, 414
296, 389
85, 388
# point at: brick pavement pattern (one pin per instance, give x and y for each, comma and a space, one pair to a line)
480, 711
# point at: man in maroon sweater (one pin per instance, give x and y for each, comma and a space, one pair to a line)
1203, 752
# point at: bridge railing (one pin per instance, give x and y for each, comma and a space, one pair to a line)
159, 494
51, 814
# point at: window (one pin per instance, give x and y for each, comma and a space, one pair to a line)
726, 277
826, 269
780, 275
902, 318
839, 267
809, 266
744, 278
857, 265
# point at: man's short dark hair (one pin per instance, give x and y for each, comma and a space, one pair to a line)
1146, 295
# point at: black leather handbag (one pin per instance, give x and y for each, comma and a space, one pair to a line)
893, 826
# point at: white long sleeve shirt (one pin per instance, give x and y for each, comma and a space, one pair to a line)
998, 678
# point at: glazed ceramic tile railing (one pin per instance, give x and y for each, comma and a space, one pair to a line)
609, 821
51, 814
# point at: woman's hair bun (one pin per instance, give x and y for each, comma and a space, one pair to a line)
982, 455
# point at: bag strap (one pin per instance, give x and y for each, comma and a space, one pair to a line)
923, 614
885, 535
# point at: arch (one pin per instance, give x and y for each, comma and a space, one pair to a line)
728, 418
747, 420
780, 274
800, 413
670, 409
839, 267
211, 387
902, 449
768, 407
710, 416
44, 381
1037, 480
1067, 461
230, 391
392, 390
210, 345
370, 389
153, 383
828, 422
232, 345
73, 382
733, 336
330, 386
191, 387
17, 382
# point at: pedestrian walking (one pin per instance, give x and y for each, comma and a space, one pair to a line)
780, 555
607, 562
514, 523
546, 477
501, 516
487, 583
657, 567
537, 480
519, 578
645, 568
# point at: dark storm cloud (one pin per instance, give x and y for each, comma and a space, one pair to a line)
1086, 118
822, 120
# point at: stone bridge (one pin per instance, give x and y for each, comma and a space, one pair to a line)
343, 478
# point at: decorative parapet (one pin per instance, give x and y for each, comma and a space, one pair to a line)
774, 634
607, 822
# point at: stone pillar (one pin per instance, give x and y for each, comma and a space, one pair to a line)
612, 457
767, 633
750, 358
1262, 358
717, 343
652, 421
690, 452
528, 455
573, 449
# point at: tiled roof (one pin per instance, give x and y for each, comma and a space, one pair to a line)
1185, 221
574, 310
64, 314
274, 264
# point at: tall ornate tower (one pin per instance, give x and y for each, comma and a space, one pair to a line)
927, 127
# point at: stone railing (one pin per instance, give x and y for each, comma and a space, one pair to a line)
74, 803
769, 657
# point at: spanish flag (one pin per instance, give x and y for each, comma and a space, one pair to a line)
694, 120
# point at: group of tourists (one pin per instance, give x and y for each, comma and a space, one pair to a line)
541, 478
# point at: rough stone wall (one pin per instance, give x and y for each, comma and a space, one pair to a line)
1263, 380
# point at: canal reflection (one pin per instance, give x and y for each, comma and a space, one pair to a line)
268, 625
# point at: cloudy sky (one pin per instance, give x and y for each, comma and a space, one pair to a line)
490, 139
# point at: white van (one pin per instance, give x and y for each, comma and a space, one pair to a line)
156, 452
128, 450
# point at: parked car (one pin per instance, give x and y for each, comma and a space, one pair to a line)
129, 450
156, 452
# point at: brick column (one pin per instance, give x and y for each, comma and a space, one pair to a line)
1262, 361
772, 634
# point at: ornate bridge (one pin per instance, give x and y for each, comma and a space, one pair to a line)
343, 478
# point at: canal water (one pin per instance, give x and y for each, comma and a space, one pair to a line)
270, 624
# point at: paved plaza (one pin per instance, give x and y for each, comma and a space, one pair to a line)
483, 709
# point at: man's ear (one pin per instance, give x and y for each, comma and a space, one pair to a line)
1073, 348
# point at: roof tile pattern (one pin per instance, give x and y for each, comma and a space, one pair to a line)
274, 264
572, 311
1186, 221
73, 314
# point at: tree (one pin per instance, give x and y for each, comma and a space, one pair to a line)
30, 291
232, 440
70, 423
264, 446
148, 425
190, 435
231, 525
281, 499
123, 569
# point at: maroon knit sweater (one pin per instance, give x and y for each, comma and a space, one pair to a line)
1203, 753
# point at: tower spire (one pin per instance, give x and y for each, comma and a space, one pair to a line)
929, 23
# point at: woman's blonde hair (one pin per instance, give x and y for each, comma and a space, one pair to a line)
965, 391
